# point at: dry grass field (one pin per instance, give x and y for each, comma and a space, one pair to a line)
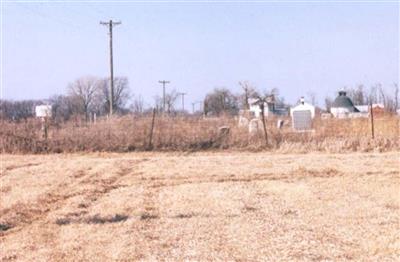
200, 206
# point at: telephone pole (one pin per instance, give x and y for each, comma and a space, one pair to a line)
110, 25
183, 100
194, 104
163, 82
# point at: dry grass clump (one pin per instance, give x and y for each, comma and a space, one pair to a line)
128, 133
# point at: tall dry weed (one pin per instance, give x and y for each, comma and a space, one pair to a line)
129, 133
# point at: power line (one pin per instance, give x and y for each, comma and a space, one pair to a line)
110, 25
66, 22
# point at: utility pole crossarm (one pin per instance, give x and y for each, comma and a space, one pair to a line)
110, 22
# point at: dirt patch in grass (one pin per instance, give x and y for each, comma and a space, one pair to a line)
148, 216
4, 227
96, 219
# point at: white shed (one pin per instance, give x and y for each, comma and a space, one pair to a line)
43, 111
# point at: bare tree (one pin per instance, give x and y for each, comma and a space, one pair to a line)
357, 95
121, 94
158, 104
220, 100
83, 90
382, 95
18, 110
373, 96
249, 92
390, 102
170, 99
138, 105
62, 107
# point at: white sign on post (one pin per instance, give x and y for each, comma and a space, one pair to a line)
43, 111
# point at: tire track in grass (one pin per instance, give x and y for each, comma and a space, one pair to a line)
20, 216
150, 222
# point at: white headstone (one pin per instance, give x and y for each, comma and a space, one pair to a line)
243, 121
279, 123
254, 125
302, 120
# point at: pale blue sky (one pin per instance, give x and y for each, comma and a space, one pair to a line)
296, 47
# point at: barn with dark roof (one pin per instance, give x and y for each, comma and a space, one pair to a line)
342, 106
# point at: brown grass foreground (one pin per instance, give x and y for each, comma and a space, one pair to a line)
200, 206
124, 134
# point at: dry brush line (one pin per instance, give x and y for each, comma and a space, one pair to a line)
124, 134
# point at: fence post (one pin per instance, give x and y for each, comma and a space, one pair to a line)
372, 121
44, 127
263, 122
150, 145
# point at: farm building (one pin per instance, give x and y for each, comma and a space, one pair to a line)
302, 115
255, 109
343, 106
378, 109
362, 108
270, 109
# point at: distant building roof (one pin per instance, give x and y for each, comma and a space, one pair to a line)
363, 108
343, 101
378, 105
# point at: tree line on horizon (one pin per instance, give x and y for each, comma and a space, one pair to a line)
90, 95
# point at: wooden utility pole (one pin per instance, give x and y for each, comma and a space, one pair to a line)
163, 82
110, 25
183, 100
44, 128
